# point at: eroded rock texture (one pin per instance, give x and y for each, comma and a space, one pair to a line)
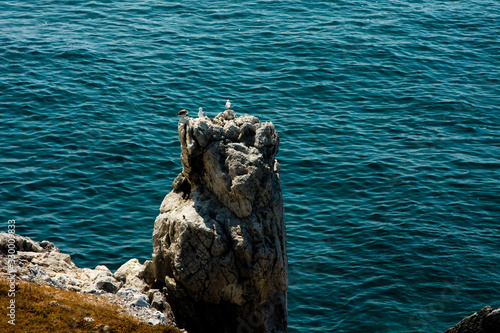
21, 258
219, 241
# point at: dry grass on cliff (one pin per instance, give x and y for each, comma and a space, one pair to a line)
41, 308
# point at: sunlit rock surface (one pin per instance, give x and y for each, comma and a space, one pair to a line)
220, 241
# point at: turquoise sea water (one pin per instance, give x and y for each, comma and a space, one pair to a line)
388, 114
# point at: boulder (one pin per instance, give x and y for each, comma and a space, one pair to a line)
108, 284
131, 273
486, 321
219, 243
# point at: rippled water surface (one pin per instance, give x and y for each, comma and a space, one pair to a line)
388, 113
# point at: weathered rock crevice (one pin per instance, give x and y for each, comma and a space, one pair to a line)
219, 241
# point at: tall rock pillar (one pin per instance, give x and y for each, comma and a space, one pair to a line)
220, 240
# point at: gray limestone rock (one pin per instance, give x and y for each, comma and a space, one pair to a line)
486, 321
133, 297
220, 241
131, 274
21, 243
108, 284
43, 263
159, 302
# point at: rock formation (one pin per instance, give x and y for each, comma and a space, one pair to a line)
486, 321
219, 243
41, 262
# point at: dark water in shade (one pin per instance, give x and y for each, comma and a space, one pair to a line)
388, 113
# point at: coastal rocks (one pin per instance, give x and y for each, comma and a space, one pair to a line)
134, 275
486, 321
133, 297
43, 263
219, 243
158, 301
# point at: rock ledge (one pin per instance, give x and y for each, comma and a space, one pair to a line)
42, 262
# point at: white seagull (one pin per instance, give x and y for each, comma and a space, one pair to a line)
201, 114
228, 105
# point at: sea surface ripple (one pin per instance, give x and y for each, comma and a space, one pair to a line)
388, 114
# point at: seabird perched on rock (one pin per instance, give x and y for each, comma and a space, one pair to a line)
182, 113
228, 105
201, 114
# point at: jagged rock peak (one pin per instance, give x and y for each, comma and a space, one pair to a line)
220, 241
229, 156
